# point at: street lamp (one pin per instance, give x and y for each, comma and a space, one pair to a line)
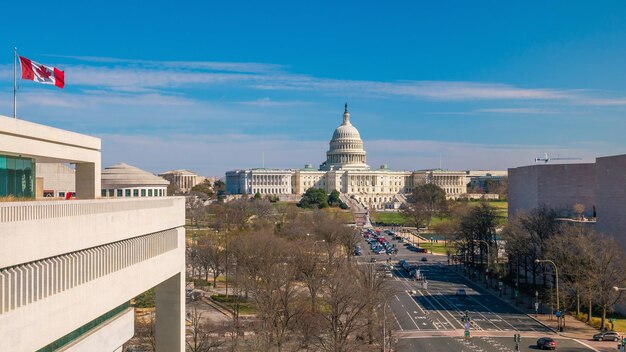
488, 256
556, 271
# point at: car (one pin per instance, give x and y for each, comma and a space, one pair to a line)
546, 343
388, 274
607, 336
461, 292
424, 259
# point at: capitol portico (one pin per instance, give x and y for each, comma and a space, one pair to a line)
346, 171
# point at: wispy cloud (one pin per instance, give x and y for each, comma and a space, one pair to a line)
267, 102
141, 76
204, 153
243, 67
520, 111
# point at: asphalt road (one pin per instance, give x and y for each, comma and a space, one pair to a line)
430, 318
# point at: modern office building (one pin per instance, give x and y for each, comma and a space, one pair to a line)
69, 268
346, 171
600, 187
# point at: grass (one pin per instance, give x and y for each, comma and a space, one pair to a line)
389, 218
245, 306
619, 325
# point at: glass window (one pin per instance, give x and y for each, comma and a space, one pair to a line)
119, 192
17, 177
111, 193
103, 193
135, 193
127, 193
143, 192
149, 193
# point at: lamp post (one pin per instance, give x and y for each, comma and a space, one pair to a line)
488, 256
558, 307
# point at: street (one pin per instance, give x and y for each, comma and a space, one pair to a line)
431, 318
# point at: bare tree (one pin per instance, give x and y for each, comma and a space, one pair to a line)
203, 335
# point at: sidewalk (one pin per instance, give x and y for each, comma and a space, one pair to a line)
573, 328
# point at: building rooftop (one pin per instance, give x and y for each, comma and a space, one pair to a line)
122, 174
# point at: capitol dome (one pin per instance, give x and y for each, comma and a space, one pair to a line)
346, 147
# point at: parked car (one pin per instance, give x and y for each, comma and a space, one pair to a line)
546, 343
388, 274
461, 292
607, 336
424, 259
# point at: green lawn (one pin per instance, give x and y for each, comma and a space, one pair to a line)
389, 218
245, 306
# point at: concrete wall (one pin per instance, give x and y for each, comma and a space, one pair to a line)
558, 186
52, 145
67, 226
108, 337
57, 177
39, 323
65, 263
611, 196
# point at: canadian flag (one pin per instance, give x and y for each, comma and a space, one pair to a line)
43, 74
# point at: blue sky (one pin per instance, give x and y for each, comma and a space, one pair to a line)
211, 86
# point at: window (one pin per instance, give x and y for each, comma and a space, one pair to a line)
143, 192
119, 192
111, 193
62, 194
149, 193
135, 193
17, 176
103, 193
127, 193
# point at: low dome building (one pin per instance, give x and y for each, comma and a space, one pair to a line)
122, 180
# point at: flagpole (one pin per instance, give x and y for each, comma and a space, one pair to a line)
14, 82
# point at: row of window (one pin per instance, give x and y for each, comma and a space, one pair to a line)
17, 177
134, 192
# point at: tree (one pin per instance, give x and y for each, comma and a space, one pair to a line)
333, 199
478, 224
314, 197
200, 331
212, 256
426, 201
204, 189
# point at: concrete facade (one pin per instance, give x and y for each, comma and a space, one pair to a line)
184, 180
610, 197
52, 145
68, 268
558, 186
600, 187
57, 179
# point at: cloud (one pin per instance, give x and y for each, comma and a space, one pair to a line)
213, 155
520, 111
243, 67
267, 102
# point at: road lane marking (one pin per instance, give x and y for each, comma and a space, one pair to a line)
410, 317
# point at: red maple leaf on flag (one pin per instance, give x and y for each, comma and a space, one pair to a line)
43, 72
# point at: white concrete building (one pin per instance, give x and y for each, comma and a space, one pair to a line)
184, 180
346, 171
123, 180
68, 268
55, 179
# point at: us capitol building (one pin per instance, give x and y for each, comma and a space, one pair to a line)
346, 171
